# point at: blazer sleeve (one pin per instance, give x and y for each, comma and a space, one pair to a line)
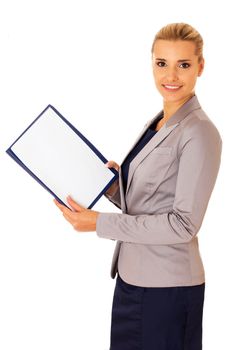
199, 161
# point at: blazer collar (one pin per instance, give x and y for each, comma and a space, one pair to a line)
189, 106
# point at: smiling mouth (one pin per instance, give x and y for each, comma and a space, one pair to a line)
172, 87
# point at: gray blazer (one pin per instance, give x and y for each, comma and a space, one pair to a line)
169, 185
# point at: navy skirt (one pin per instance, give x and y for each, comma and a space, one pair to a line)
156, 318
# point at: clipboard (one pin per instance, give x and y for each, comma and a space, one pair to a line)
62, 160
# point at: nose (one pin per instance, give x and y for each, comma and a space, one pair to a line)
171, 74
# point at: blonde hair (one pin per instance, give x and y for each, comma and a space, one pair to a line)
181, 31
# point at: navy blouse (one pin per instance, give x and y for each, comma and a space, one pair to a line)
150, 132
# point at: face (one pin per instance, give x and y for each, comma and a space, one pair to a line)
175, 69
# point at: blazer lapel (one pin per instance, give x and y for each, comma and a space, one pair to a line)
191, 105
120, 170
142, 132
155, 140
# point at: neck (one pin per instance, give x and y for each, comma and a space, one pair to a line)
170, 108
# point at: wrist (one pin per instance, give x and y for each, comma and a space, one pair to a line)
96, 215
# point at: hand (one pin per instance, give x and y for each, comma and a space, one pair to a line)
81, 219
112, 189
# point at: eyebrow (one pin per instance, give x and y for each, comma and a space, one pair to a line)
163, 59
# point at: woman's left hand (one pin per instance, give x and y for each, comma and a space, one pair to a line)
81, 219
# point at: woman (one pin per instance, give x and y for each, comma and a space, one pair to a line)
164, 187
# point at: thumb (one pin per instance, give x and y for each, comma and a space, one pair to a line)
74, 205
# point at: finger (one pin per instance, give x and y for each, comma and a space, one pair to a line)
59, 205
75, 205
112, 164
68, 214
63, 208
69, 217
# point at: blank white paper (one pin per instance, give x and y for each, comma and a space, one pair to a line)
62, 160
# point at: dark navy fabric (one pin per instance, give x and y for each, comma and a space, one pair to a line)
141, 143
157, 318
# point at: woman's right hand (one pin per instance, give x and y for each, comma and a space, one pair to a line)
112, 189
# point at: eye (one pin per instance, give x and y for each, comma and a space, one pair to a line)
160, 64
187, 65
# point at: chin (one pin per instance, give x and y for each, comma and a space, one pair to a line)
172, 96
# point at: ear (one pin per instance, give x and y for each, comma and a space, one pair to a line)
201, 67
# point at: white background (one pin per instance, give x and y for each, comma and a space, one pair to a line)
91, 60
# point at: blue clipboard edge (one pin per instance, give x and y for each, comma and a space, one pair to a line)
94, 149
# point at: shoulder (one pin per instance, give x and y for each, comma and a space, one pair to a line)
198, 126
199, 137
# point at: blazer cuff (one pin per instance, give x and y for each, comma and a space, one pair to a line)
102, 226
